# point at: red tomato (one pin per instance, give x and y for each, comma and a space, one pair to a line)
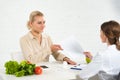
38, 70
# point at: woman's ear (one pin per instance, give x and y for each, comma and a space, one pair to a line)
105, 38
30, 24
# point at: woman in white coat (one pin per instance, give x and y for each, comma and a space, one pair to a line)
108, 60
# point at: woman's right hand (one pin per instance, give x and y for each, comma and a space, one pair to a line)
55, 48
88, 54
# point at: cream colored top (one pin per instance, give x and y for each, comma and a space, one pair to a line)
35, 52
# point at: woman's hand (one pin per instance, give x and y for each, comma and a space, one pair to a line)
55, 48
88, 54
69, 61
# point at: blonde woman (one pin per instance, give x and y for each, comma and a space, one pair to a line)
38, 47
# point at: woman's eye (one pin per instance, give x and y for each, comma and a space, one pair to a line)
39, 22
43, 22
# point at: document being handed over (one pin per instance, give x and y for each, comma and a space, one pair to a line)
72, 49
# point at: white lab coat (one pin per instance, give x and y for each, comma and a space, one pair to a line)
108, 61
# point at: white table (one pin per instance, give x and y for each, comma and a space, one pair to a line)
56, 71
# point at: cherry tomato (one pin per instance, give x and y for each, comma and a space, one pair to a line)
38, 70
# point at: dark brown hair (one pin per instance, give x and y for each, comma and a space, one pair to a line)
111, 29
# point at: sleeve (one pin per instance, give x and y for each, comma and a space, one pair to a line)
92, 68
57, 55
28, 52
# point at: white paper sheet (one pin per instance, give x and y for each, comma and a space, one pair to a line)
72, 45
72, 48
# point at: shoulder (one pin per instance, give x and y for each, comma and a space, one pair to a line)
108, 52
25, 37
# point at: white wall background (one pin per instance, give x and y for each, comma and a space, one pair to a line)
81, 18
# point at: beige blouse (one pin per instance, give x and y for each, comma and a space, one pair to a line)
35, 52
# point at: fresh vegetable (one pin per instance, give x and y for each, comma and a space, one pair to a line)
22, 69
12, 67
88, 60
20, 73
29, 68
38, 70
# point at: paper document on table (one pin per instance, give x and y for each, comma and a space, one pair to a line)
72, 48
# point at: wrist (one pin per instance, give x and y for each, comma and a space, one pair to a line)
66, 58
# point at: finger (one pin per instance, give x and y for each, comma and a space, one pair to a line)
60, 47
71, 62
86, 52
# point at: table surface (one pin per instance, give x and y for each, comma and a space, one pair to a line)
55, 71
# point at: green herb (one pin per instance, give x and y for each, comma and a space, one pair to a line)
22, 69
11, 67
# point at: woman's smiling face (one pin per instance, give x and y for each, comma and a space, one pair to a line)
38, 24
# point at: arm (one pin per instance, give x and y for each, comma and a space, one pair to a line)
59, 56
92, 68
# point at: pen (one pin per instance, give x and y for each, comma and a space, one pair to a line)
76, 68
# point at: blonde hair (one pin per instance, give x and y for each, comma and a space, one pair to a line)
32, 16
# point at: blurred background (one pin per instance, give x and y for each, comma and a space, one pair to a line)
81, 18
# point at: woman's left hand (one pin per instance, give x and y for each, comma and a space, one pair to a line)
69, 61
